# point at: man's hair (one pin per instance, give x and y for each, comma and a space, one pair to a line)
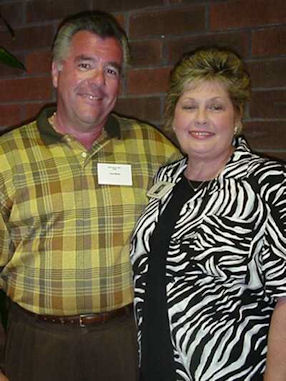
208, 64
100, 23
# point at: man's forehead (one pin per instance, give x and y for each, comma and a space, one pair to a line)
88, 37
86, 43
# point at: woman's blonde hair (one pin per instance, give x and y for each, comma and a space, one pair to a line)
208, 64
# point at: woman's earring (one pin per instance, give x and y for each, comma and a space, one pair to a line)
237, 128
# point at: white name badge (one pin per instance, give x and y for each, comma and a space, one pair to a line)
114, 174
159, 189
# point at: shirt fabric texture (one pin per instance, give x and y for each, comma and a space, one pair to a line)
64, 239
225, 267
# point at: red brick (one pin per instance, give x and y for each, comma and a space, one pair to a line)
167, 22
28, 38
271, 41
238, 41
268, 104
13, 14
263, 135
280, 155
270, 73
147, 108
26, 89
31, 110
52, 9
141, 82
121, 19
124, 5
38, 62
183, 1
10, 115
146, 53
246, 13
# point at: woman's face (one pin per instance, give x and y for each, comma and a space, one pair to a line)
204, 121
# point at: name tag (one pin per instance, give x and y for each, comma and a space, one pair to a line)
114, 174
159, 189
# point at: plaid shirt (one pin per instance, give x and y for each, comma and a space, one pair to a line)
64, 239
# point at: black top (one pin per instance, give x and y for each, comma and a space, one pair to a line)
157, 353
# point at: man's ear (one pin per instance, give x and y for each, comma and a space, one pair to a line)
55, 73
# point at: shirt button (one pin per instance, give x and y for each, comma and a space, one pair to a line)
84, 154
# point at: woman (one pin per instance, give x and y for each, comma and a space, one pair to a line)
209, 251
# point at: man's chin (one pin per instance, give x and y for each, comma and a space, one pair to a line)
91, 121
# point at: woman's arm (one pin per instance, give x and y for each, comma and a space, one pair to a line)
276, 352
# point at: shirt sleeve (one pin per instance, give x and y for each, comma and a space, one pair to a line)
6, 188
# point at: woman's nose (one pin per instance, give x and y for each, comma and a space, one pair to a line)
201, 116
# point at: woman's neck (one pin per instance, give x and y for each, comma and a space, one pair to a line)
202, 169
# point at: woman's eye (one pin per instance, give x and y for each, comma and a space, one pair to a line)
216, 107
189, 107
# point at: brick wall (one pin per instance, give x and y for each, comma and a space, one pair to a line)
159, 31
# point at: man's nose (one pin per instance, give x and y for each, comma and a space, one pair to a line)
97, 77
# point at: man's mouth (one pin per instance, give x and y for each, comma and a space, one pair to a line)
94, 97
91, 96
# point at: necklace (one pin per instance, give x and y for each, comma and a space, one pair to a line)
195, 189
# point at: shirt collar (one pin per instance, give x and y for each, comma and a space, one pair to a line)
50, 136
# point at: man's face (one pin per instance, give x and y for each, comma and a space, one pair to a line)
87, 81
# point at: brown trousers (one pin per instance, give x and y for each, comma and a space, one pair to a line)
40, 351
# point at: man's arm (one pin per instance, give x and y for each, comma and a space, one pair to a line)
276, 352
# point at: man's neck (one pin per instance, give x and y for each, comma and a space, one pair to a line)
86, 138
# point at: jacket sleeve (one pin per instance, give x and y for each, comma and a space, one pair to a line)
274, 252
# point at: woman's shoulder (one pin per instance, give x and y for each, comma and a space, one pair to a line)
268, 178
255, 164
267, 168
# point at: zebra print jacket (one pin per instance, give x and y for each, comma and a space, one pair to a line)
226, 267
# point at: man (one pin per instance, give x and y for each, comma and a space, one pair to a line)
72, 184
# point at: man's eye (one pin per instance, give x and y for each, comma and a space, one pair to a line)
84, 66
112, 72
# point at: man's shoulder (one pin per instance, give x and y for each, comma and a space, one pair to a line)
19, 131
14, 138
131, 127
127, 122
149, 138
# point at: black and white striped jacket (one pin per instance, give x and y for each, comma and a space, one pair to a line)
226, 267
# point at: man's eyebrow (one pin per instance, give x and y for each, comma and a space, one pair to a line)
82, 57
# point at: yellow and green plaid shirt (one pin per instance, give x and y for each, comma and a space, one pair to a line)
64, 239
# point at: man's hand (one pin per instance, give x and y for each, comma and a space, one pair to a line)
3, 377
